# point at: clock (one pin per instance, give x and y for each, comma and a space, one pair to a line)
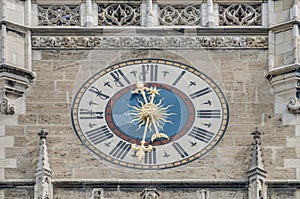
150, 114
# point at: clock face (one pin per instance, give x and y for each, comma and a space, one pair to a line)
150, 114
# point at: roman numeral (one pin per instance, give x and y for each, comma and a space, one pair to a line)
179, 77
180, 150
150, 157
99, 93
153, 69
201, 134
209, 113
118, 75
120, 150
90, 114
99, 135
200, 93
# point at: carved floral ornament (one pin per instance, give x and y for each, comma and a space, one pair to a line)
119, 15
240, 15
180, 15
59, 15
138, 42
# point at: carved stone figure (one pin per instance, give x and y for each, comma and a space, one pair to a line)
294, 104
149, 194
6, 107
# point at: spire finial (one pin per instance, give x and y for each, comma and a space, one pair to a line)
43, 134
256, 161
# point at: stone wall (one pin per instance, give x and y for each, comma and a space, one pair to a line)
59, 73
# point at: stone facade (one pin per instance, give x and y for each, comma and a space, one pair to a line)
48, 49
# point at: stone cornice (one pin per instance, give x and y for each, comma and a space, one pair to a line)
272, 183
162, 183
284, 26
26, 75
282, 70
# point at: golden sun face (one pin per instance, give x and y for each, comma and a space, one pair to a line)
157, 113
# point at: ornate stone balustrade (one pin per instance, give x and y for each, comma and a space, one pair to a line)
125, 14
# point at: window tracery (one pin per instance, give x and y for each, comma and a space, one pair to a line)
180, 15
58, 15
119, 15
240, 15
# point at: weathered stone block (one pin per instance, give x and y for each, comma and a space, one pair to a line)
8, 163
6, 141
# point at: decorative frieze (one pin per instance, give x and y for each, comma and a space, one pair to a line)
119, 15
137, 42
180, 15
240, 15
59, 15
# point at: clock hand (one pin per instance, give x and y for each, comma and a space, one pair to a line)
140, 89
142, 148
157, 133
153, 92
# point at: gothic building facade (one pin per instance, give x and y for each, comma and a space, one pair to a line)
150, 99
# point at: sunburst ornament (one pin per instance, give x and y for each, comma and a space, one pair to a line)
148, 114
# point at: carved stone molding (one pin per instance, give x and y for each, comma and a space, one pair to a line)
294, 105
138, 42
59, 15
180, 15
240, 15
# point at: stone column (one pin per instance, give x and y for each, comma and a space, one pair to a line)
149, 14
89, 13
210, 14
